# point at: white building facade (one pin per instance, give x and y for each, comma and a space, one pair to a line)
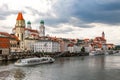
74, 48
46, 46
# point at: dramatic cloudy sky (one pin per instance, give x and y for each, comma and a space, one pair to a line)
66, 18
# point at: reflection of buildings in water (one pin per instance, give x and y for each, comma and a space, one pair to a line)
112, 62
19, 74
82, 58
97, 62
4, 63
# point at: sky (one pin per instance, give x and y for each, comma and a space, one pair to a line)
78, 19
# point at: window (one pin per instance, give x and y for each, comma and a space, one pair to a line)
18, 35
22, 36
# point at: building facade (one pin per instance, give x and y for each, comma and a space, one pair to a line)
46, 46
4, 43
26, 35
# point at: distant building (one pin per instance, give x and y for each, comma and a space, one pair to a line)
42, 29
46, 46
26, 35
110, 46
14, 43
72, 48
97, 43
4, 43
64, 44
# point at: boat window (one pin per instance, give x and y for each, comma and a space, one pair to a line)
32, 61
44, 59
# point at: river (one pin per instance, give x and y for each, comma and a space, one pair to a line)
66, 68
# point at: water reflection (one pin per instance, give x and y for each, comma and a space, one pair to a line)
97, 62
19, 74
5, 63
68, 68
112, 62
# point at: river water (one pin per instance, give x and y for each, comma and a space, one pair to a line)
67, 68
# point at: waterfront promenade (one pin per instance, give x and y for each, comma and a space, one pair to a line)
22, 55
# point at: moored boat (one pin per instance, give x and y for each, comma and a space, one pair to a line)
33, 61
96, 52
92, 53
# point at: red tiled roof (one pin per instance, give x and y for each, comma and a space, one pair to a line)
14, 37
34, 34
70, 45
31, 30
5, 34
4, 43
100, 39
20, 17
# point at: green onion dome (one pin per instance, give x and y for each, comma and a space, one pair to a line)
42, 22
28, 22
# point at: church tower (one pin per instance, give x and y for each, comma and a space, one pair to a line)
29, 25
103, 35
20, 29
42, 28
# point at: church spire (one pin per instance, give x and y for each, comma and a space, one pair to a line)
29, 24
20, 17
42, 28
103, 35
20, 22
20, 30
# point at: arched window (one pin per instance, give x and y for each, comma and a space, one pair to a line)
22, 37
18, 35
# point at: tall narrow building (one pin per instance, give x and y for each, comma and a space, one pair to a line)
29, 25
42, 28
20, 29
103, 35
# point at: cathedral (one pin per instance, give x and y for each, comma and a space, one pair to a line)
26, 34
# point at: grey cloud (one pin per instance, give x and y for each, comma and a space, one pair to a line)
95, 11
88, 11
63, 10
34, 11
5, 11
85, 11
60, 30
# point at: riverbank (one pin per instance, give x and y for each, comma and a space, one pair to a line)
22, 55
15, 56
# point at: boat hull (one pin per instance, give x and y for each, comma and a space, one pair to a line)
33, 62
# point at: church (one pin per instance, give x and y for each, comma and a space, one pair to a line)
26, 34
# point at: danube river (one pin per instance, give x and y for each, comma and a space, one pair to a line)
67, 68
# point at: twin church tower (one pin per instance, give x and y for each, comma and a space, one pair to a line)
23, 32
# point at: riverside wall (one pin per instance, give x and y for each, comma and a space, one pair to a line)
15, 56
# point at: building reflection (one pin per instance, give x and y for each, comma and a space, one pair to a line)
5, 63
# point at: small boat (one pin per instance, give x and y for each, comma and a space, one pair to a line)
33, 61
92, 53
96, 52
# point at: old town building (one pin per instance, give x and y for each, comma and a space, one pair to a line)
24, 38
4, 43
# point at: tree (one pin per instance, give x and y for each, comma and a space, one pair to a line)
83, 49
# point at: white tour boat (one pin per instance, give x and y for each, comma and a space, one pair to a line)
33, 61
